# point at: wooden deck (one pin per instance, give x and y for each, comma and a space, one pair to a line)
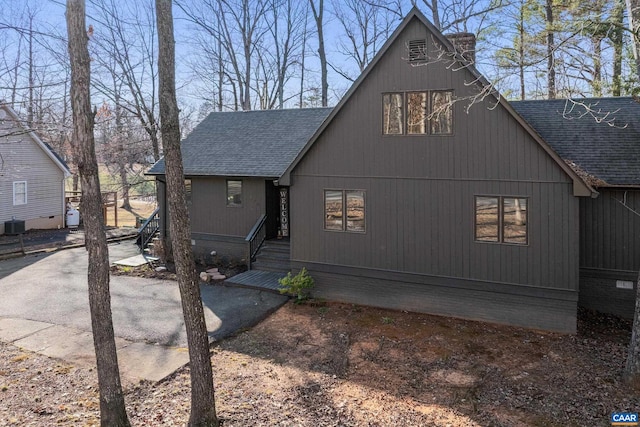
256, 279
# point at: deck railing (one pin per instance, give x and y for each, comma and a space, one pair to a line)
256, 238
148, 230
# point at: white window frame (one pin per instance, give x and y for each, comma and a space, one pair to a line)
15, 185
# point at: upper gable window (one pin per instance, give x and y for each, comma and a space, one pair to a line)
418, 113
393, 115
441, 119
417, 50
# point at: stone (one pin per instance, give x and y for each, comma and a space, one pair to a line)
204, 276
212, 270
160, 268
218, 277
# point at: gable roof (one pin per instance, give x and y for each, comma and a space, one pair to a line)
247, 143
580, 186
599, 136
46, 148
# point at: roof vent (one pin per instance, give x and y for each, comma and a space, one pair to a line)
417, 50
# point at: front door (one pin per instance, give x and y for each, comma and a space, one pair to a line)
272, 207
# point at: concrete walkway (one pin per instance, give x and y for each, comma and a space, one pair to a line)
44, 308
137, 360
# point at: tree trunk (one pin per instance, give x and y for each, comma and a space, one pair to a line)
203, 411
596, 84
112, 409
31, 81
633, 11
124, 181
632, 369
318, 16
521, 54
551, 70
616, 36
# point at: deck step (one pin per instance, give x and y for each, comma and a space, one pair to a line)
273, 256
255, 279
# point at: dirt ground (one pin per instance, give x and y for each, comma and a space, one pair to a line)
140, 208
343, 365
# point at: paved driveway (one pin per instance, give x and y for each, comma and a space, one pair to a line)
52, 288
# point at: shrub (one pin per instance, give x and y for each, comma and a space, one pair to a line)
299, 285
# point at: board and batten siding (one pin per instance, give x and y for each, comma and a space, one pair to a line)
419, 241
218, 227
24, 160
610, 250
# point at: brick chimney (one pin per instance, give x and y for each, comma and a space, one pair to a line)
465, 44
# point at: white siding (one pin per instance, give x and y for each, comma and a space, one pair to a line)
22, 159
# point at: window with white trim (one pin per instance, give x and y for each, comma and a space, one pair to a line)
19, 193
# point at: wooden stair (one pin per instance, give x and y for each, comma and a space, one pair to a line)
274, 255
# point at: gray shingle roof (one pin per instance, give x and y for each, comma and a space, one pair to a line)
247, 143
601, 136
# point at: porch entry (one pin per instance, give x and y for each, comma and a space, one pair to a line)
277, 210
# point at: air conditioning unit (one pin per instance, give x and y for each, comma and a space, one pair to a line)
13, 227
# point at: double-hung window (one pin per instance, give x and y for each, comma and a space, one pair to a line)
501, 219
418, 113
19, 193
344, 210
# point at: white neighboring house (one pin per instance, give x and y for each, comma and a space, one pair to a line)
32, 176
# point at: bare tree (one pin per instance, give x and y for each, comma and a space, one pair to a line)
287, 27
203, 410
632, 368
318, 17
239, 27
125, 54
366, 27
616, 37
112, 409
633, 15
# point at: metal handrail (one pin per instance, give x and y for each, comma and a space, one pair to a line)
148, 230
256, 238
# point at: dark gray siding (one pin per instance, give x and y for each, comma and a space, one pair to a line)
420, 199
522, 306
210, 213
214, 226
609, 250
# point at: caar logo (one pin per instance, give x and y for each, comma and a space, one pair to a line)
624, 419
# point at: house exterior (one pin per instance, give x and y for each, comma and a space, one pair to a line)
232, 163
32, 176
419, 191
600, 137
